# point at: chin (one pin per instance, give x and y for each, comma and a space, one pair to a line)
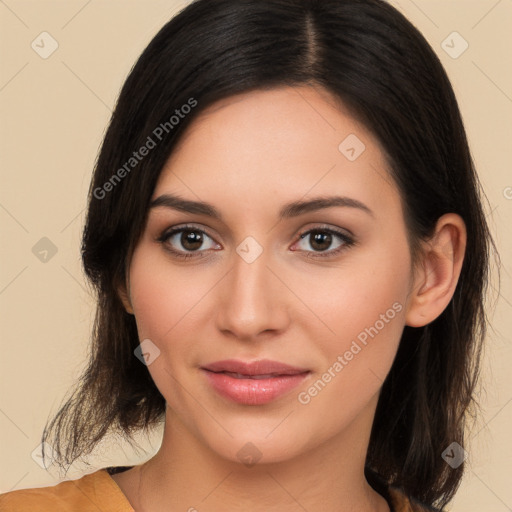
253, 450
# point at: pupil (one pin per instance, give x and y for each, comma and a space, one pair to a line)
191, 240
320, 238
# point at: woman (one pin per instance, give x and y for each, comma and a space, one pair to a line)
286, 235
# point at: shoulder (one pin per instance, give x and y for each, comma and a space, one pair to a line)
93, 491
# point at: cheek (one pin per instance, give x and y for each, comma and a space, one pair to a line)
357, 357
162, 295
168, 303
368, 289
363, 306
164, 303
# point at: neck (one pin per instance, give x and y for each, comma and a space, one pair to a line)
187, 475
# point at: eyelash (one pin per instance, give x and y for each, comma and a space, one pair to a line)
346, 240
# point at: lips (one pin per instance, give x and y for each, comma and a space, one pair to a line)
254, 368
245, 376
254, 382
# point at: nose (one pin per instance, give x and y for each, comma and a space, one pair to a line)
252, 300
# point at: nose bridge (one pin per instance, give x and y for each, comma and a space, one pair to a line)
251, 302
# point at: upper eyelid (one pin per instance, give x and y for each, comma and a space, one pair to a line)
180, 227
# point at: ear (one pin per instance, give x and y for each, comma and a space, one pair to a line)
123, 290
437, 273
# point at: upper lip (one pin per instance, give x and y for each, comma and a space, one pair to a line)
259, 367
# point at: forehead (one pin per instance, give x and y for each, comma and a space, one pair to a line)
279, 143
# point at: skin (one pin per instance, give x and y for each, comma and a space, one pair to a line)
248, 156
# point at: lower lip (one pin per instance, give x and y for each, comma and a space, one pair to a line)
253, 391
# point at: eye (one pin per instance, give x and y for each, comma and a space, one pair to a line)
192, 242
321, 240
187, 241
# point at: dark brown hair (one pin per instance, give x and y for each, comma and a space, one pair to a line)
370, 57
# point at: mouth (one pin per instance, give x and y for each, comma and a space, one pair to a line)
257, 377
253, 383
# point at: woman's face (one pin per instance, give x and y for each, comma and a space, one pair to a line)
331, 305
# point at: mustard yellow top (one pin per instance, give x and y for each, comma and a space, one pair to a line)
98, 492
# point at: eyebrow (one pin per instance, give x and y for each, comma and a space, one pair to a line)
289, 210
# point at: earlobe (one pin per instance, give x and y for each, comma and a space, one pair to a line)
438, 272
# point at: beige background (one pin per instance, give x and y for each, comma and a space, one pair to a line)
53, 114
